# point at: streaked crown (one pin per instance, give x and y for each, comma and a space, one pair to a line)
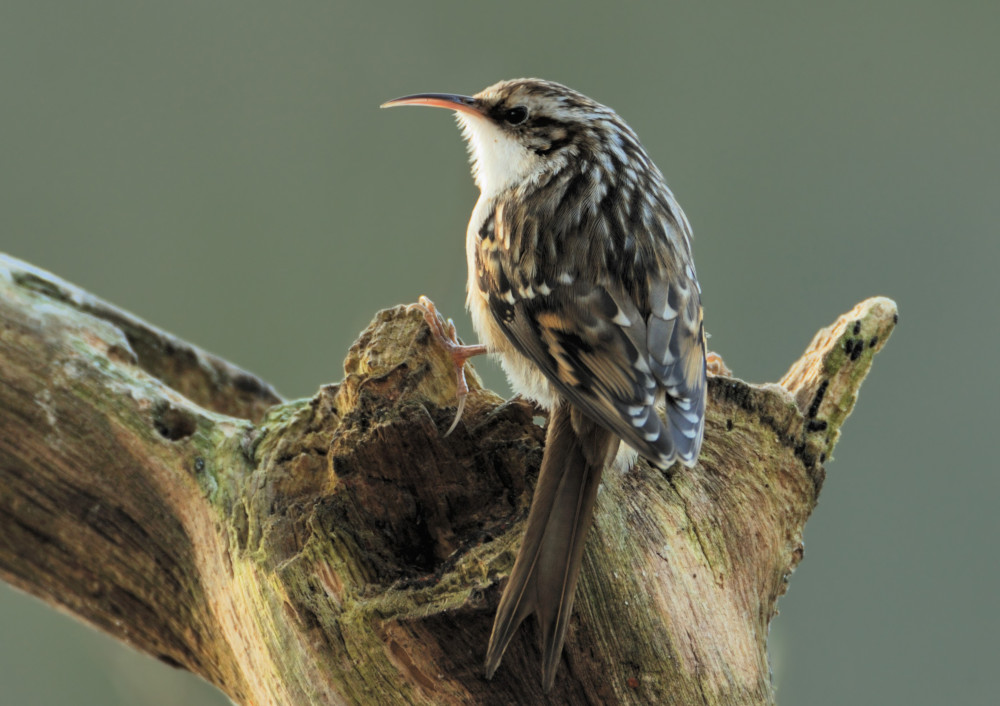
529, 127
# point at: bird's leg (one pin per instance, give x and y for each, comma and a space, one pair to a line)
444, 331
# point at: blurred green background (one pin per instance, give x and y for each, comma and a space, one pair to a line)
221, 169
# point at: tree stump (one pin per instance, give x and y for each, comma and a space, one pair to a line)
341, 549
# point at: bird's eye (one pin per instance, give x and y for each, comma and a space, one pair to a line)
516, 115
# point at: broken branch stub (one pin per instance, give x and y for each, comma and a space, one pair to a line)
341, 549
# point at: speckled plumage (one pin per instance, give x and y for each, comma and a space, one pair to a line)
583, 267
581, 280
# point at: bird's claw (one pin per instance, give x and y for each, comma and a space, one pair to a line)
446, 334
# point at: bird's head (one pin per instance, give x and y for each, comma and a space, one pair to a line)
521, 130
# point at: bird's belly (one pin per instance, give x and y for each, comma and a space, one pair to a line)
525, 377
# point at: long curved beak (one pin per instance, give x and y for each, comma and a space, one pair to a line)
451, 101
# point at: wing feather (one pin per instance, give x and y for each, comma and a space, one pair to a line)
613, 345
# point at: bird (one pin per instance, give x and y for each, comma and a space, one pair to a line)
581, 282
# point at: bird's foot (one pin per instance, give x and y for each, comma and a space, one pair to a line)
444, 331
715, 365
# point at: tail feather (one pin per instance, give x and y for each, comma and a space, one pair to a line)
543, 580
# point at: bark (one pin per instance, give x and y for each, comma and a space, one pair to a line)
341, 549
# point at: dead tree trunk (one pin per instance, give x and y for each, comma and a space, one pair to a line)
340, 549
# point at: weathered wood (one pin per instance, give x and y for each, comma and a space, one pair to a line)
341, 549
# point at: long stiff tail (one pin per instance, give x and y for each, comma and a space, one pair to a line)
544, 577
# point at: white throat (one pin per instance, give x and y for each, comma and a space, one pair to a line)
498, 160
